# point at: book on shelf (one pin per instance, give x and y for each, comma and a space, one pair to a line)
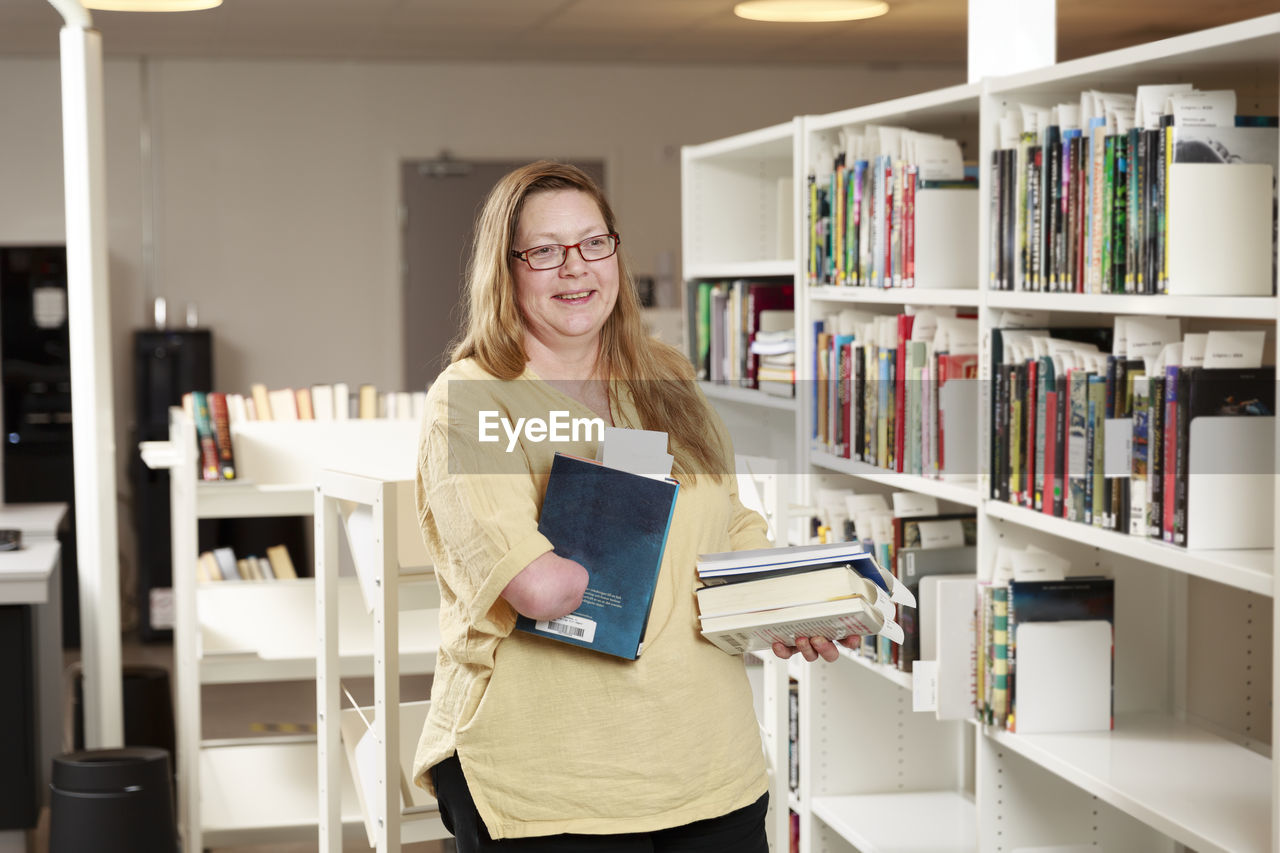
1091, 197
620, 545
220, 415
206, 436
1060, 651
280, 562
366, 401
305, 410
223, 564
261, 401
770, 311
914, 565
1116, 429
889, 207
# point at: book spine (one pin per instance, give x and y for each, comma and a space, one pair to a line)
1169, 488
1030, 446
1120, 258
1097, 463
1181, 454
1155, 456
221, 418
909, 227
1137, 521
210, 468
1000, 655
1048, 487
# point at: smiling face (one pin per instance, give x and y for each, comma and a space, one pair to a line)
566, 307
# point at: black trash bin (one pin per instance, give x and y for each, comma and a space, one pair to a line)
113, 801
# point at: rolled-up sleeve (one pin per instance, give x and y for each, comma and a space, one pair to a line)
479, 516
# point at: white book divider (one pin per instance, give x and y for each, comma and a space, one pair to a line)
1220, 229
946, 238
377, 495
1231, 483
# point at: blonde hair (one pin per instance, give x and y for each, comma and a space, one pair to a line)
659, 377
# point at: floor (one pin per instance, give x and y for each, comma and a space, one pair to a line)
246, 710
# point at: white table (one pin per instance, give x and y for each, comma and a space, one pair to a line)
32, 576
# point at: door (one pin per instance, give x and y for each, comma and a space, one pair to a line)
441, 200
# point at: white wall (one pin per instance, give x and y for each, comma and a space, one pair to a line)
276, 184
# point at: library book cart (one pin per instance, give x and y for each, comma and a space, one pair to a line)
1187, 764
262, 790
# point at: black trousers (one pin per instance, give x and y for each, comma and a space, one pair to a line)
741, 831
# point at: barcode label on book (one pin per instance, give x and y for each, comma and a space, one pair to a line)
571, 626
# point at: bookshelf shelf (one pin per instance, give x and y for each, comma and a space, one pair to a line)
1250, 570
890, 673
747, 396
1145, 769
767, 268
1218, 307
257, 632
891, 823
239, 499
961, 491
265, 793
960, 298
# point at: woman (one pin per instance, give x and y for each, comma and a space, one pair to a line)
538, 744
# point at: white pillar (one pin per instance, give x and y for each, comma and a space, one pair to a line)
1008, 36
93, 422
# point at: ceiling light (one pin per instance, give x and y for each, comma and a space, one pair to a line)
151, 5
808, 11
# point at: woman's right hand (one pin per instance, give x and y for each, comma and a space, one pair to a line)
549, 587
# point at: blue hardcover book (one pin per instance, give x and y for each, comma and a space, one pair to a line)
615, 524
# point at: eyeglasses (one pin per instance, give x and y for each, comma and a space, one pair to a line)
553, 255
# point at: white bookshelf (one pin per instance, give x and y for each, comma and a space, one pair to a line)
263, 790
1188, 764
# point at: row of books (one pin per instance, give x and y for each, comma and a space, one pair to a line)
891, 390
912, 538
889, 207
222, 564
216, 413
1167, 190
1154, 436
325, 402
727, 319
1044, 654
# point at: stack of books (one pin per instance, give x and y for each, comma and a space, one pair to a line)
753, 599
774, 348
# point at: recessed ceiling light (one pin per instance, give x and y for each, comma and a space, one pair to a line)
151, 5
809, 11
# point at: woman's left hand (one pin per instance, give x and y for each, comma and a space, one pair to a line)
813, 648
